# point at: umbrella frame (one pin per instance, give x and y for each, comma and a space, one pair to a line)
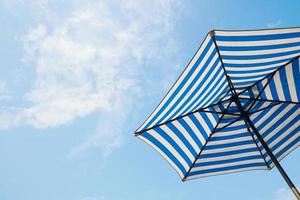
247, 120
244, 115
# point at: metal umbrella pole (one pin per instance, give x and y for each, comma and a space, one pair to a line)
275, 161
245, 116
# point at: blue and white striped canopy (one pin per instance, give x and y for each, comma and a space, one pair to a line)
198, 127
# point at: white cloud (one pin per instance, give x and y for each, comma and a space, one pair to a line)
274, 24
90, 57
284, 194
4, 92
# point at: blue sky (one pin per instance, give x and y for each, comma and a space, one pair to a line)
78, 77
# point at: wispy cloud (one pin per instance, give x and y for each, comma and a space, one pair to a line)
4, 92
284, 194
274, 24
91, 57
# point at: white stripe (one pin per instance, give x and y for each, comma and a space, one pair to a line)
247, 74
225, 172
287, 132
227, 132
211, 119
264, 105
256, 32
247, 80
231, 164
163, 155
259, 52
259, 60
288, 151
276, 118
213, 100
296, 136
169, 147
178, 142
215, 88
184, 99
183, 89
192, 125
205, 84
267, 66
186, 135
228, 141
243, 86
203, 123
291, 82
282, 125
219, 158
257, 43
265, 117
226, 149
278, 86
196, 131
267, 89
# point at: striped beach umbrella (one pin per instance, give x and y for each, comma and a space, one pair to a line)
235, 107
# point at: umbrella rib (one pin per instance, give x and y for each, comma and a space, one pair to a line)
179, 117
247, 120
257, 146
228, 113
213, 131
212, 33
271, 100
186, 67
270, 106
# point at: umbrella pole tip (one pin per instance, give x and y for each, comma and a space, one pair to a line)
212, 33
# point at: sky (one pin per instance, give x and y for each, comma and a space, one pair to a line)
77, 78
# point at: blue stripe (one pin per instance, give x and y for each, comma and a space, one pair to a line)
272, 116
257, 37
228, 137
213, 98
260, 88
284, 83
290, 145
286, 138
189, 130
253, 57
192, 104
182, 138
273, 89
232, 144
165, 150
228, 161
228, 153
258, 164
261, 76
296, 74
261, 64
189, 87
286, 148
251, 70
197, 87
173, 144
261, 115
254, 48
